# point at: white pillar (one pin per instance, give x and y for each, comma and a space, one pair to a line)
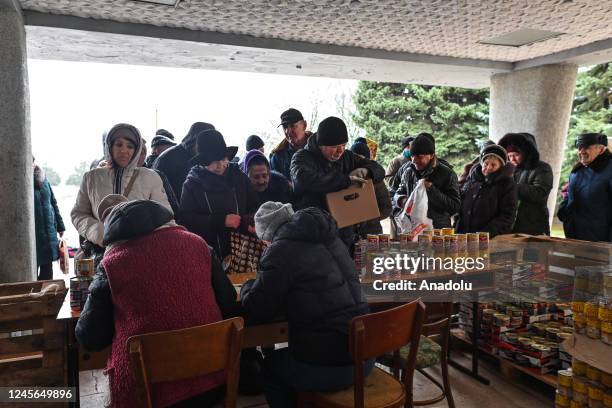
17, 246
538, 101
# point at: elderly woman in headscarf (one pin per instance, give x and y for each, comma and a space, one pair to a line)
120, 175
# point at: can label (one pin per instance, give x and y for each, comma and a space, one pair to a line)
451, 244
462, 242
372, 242
437, 232
84, 267
429, 232
437, 243
383, 241
424, 241
404, 240
448, 231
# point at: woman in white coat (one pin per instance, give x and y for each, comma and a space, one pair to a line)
120, 175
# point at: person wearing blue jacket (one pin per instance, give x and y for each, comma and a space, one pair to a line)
586, 211
48, 224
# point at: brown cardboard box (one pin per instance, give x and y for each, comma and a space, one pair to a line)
353, 205
593, 352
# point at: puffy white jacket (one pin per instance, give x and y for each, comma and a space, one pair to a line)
100, 182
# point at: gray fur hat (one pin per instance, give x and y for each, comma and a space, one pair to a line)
270, 217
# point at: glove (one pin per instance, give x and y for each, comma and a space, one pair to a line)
357, 180
359, 172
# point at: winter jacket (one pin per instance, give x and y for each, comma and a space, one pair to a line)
316, 288
466, 172
279, 189
488, 204
154, 277
48, 221
443, 196
208, 198
280, 158
587, 211
174, 162
384, 207
534, 180
394, 165
102, 181
314, 176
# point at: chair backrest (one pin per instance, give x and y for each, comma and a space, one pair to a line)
375, 334
187, 353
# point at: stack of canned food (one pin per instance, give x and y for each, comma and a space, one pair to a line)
583, 386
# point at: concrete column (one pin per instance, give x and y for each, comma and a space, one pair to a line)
17, 245
538, 101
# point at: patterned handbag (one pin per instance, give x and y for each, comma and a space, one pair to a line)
246, 251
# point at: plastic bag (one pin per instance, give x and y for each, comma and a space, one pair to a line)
413, 218
64, 258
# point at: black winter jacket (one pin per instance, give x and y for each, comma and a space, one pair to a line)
317, 288
95, 328
488, 204
174, 162
443, 196
534, 179
208, 198
314, 176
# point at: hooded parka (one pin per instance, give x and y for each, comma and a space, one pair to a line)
102, 181
534, 180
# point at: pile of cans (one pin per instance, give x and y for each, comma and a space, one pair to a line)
79, 285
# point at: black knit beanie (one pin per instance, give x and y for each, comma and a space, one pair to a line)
423, 144
332, 132
494, 150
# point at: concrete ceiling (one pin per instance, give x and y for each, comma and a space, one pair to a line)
421, 41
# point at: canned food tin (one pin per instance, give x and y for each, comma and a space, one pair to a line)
429, 232
593, 374
373, 242
383, 241
462, 242
437, 243
437, 232
448, 231
404, 240
565, 378
472, 241
483, 240
451, 245
84, 267
578, 367
424, 241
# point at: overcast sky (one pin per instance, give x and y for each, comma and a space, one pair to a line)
72, 103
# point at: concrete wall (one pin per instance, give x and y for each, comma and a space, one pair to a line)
538, 101
17, 242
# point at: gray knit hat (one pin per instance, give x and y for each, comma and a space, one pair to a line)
270, 217
108, 203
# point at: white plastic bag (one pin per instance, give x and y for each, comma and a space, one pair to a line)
413, 217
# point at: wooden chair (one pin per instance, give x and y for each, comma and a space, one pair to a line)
433, 350
187, 353
370, 336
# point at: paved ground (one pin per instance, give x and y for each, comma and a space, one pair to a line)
468, 393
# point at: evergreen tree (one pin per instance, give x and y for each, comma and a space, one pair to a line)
591, 111
457, 118
75, 178
52, 176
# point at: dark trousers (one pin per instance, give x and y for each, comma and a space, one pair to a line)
285, 376
45, 271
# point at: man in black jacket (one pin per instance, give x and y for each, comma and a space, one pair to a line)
534, 180
440, 182
325, 166
317, 288
174, 162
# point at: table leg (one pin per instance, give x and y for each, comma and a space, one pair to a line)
473, 372
73, 362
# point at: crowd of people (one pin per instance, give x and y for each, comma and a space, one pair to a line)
159, 227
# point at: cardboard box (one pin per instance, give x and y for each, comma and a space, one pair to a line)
590, 351
353, 205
